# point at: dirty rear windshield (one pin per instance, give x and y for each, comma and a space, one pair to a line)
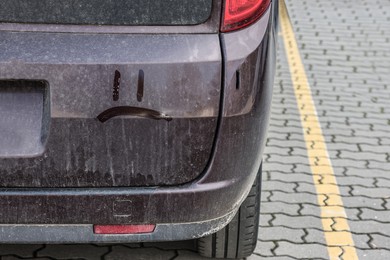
106, 12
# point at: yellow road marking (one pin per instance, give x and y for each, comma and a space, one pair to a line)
335, 225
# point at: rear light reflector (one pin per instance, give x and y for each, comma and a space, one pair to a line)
240, 13
123, 229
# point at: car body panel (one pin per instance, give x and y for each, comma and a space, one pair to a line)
211, 199
181, 78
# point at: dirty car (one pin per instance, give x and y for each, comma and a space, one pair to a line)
134, 121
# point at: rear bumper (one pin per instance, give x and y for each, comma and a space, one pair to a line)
180, 212
84, 233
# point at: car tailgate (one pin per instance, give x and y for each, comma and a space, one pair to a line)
165, 91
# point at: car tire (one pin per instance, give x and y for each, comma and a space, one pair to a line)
238, 239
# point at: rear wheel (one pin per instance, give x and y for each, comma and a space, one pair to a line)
238, 239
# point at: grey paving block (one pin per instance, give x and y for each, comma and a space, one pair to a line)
306, 187
349, 163
264, 218
371, 192
373, 254
291, 177
383, 165
16, 258
120, 252
383, 182
310, 209
363, 202
361, 240
297, 221
353, 213
254, 257
355, 180
73, 251
279, 207
172, 245
20, 250
269, 166
265, 196
188, 255
281, 233
379, 215
287, 143
302, 168
278, 185
258, 257
302, 197
370, 173
379, 241
369, 226
302, 251
289, 159
363, 155
273, 150
264, 248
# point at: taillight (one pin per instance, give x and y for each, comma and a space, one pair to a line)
123, 229
240, 13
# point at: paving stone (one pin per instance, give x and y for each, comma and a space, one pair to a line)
281, 233
301, 251
363, 155
121, 252
353, 213
294, 197
297, 221
277, 166
314, 236
375, 148
279, 207
278, 185
264, 248
371, 192
361, 240
306, 187
379, 241
73, 251
302, 168
257, 257
172, 245
352, 180
291, 177
254, 257
264, 218
379, 215
383, 182
188, 255
371, 173
265, 196
369, 226
310, 209
384, 165
373, 254
362, 202
8, 257
20, 250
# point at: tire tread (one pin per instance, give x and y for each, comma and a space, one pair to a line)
238, 239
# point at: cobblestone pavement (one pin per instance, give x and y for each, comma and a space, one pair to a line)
345, 47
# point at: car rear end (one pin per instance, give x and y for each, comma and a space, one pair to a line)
126, 121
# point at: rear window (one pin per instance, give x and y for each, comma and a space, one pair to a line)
106, 12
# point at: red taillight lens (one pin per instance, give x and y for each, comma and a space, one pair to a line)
240, 13
123, 229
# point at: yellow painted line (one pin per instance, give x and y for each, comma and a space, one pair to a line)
334, 219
